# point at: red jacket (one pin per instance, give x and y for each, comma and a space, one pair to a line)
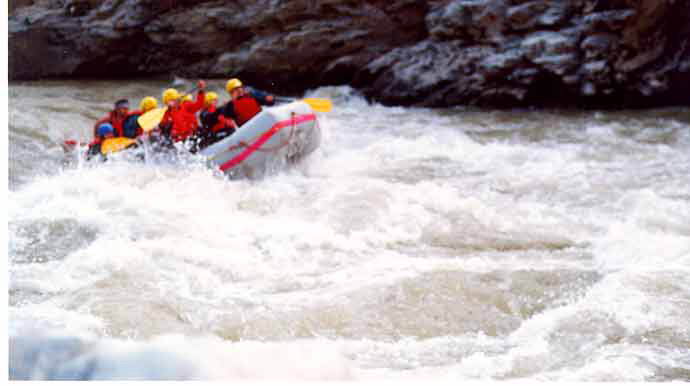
246, 107
113, 120
183, 118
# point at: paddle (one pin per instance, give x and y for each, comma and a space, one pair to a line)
318, 104
112, 145
151, 119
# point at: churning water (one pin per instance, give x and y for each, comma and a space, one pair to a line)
413, 244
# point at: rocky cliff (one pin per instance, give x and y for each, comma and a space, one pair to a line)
432, 53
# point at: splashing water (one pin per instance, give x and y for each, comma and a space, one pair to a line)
413, 244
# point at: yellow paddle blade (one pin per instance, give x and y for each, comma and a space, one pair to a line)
319, 104
112, 145
150, 119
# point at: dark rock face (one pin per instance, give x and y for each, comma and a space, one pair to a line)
431, 53
508, 53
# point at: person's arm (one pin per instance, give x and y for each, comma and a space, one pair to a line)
199, 103
263, 97
224, 122
228, 122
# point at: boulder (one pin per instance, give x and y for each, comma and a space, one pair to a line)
478, 20
538, 14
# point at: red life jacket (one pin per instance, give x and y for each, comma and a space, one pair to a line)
183, 118
246, 107
117, 123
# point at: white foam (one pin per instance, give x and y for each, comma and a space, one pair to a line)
391, 195
174, 357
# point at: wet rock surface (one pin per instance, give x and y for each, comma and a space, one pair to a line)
501, 53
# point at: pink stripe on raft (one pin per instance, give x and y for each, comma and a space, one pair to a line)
265, 137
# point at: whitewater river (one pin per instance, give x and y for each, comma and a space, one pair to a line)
414, 244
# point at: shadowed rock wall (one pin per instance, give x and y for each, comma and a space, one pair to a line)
433, 53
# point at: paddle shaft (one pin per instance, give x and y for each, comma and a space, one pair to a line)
284, 100
318, 104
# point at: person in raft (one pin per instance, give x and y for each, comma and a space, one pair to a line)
130, 127
214, 125
179, 122
245, 102
116, 118
103, 132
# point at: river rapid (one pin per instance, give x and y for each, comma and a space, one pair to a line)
414, 244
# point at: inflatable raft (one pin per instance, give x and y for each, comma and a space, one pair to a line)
273, 138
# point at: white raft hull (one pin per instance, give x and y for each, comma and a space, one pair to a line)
275, 137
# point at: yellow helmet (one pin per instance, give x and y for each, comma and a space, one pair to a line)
148, 103
233, 84
210, 96
187, 97
169, 95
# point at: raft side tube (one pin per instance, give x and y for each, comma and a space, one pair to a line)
276, 136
